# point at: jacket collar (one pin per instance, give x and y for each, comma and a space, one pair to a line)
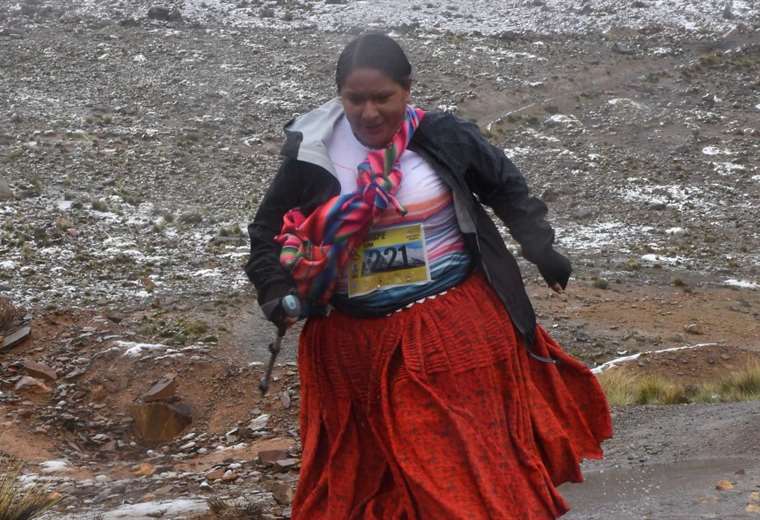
307, 135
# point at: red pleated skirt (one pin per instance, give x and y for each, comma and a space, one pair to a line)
437, 412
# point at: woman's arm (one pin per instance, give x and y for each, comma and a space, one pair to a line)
297, 184
499, 184
271, 280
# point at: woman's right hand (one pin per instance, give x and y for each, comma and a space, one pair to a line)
284, 311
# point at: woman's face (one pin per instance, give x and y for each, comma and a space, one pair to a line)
374, 104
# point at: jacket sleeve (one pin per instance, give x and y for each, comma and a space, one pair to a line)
498, 183
271, 280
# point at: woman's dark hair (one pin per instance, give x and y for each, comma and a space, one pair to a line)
374, 51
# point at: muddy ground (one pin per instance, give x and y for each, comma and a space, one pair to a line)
134, 150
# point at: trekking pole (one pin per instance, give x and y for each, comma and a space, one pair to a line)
291, 305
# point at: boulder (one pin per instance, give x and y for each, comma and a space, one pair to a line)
159, 422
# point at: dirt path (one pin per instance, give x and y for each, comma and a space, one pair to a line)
667, 463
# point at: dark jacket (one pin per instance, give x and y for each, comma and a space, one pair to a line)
476, 172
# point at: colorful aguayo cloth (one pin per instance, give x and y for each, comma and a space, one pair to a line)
316, 248
419, 416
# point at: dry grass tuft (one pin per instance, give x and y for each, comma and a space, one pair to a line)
743, 385
8, 314
20, 501
623, 388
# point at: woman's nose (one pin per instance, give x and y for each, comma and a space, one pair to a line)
370, 112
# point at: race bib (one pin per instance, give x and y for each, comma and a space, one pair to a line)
389, 258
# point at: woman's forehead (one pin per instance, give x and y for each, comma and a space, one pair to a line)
370, 80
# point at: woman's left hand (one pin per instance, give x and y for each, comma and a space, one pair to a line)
557, 288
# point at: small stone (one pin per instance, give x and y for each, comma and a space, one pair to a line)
269, 457
694, 328
144, 470
164, 14
32, 385
282, 492
286, 464
216, 474
582, 214
285, 399
230, 476
550, 195
724, 485
38, 370
259, 423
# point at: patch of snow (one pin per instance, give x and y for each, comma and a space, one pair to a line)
660, 259
627, 102
675, 231
563, 119
538, 135
624, 359
64, 205
672, 195
744, 284
756, 178
597, 236
517, 150
107, 216
552, 16
133, 349
206, 273
727, 168
714, 150
158, 509
55, 466
235, 254
8, 265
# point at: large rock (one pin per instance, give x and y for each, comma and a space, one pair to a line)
160, 422
162, 390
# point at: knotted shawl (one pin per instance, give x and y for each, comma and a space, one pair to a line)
315, 248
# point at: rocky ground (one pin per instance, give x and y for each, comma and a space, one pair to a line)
138, 138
